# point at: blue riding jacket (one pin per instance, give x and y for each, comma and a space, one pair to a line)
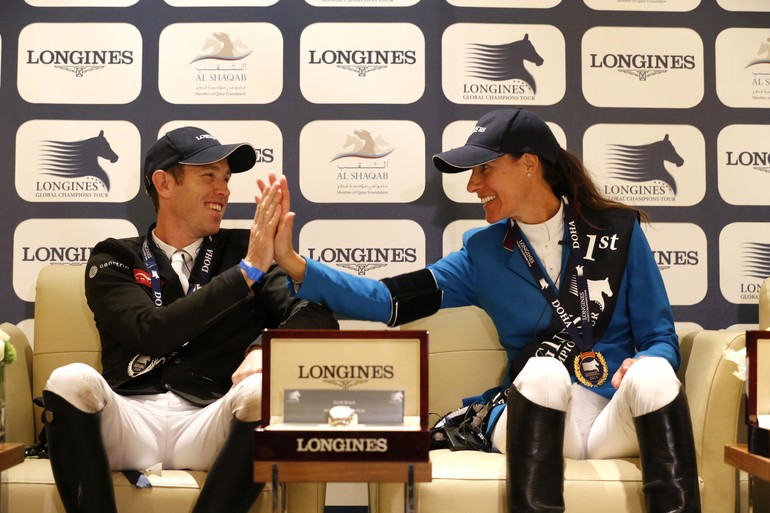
485, 274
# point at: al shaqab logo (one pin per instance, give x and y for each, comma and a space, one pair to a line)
221, 47
764, 49
219, 70
363, 145
362, 171
75, 161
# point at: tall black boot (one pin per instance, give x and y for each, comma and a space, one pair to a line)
535, 456
78, 459
667, 453
230, 483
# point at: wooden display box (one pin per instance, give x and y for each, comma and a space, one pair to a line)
758, 395
343, 361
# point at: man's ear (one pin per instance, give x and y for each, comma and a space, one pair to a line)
161, 179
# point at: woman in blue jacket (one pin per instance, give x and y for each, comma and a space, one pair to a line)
556, 253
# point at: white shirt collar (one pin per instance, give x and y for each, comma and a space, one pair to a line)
553, 229
169, 250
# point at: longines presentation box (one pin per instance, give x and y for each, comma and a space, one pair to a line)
758, 395
357, 396
758, 361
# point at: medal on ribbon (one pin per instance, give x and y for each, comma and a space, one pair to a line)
591, 368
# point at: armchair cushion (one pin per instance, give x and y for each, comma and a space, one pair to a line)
466, 358
65, 333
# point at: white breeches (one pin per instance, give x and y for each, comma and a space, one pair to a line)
145, 431
596, 427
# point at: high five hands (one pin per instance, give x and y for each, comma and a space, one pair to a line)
283, 249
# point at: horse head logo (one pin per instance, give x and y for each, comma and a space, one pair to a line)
645, 162
363, 144
763, 52
504, 62
597, 290
756, 260
78, 159
221, 46
764, 48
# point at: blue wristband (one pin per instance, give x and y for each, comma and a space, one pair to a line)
252, 272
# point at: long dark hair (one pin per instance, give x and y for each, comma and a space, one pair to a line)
569, 177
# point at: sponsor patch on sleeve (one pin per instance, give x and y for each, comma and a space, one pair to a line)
142, 277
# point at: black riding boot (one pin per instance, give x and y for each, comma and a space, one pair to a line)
78, 459
535, 456
667, 453
230, 483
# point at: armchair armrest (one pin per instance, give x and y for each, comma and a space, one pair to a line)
714, 395
19, 420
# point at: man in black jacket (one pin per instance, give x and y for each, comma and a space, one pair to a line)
179, 312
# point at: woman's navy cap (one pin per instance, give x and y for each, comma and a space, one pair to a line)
497, 133
196, 147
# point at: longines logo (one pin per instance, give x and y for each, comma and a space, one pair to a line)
55, 254
362, 62
41, 242
91, 63
362, 260
680, 252
386, 248
755, 263
265, 155
643, 163
77, 164
756, 260
744, 164
644, 5
744, 261
345, 376
504, 63
342, 445
77, 161
758, 160
643, 66
648, 164
671, 258
80, 62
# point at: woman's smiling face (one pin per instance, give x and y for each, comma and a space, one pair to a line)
504, 187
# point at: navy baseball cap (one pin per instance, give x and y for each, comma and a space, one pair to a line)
196, 147
497, 133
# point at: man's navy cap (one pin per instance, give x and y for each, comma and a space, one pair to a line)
497, 133
196, 147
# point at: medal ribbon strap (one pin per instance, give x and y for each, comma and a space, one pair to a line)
583, 340
200, 275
